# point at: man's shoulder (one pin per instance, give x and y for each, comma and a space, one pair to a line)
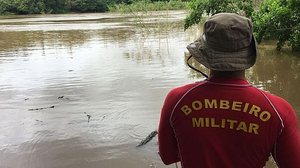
282, 106
276, 100
181, 90
177, 92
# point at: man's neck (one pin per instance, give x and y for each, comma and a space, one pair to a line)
228, 74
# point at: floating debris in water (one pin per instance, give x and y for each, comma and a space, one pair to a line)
38, 120
88, 116
62, 97
26, 99
153, 165
148, 138
41, 108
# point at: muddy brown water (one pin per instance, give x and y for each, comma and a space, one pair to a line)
82, 90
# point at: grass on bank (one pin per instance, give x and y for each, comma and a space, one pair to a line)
147, 5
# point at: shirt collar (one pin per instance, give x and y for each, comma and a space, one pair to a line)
229, 81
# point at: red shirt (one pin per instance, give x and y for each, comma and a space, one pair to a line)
227, 123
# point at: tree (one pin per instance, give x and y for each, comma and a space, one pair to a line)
279, 20
210, 7
275, 19
55, 6
89, 5
121, 1
52, 6
7, 7
29, 6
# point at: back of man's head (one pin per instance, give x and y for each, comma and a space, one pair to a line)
227, 44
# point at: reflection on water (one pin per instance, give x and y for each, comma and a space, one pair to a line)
116, 69
278, 72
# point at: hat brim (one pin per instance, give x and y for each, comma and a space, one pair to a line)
223, 61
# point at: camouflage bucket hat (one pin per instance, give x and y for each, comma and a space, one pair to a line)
227, 43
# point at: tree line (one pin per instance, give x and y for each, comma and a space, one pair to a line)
55, 6
62, 6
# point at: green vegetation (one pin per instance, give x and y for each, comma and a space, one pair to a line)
149, 5
51, 6
67, 6
280, 20
272, 19
199, 8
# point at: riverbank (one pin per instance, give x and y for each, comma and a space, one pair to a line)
151, 16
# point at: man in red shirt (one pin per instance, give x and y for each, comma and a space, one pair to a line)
224, 121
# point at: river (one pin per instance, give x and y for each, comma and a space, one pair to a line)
82, 90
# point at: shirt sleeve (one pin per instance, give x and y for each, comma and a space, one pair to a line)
168, 149
287, 150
